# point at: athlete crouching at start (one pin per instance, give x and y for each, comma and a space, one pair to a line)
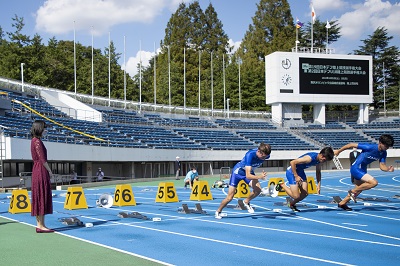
244, 170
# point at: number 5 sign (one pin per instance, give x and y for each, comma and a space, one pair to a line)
166, 192
123, 196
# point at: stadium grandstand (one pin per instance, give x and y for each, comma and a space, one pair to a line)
130, 140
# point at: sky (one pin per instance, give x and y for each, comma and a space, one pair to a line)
142, 23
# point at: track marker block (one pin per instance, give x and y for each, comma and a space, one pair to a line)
166, 192
201, 191
242, 190
123, 196
19, 202
75, 199
273, 181
312, 187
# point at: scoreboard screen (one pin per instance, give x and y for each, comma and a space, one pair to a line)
333, 76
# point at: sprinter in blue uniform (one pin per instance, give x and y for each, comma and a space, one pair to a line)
296, 176
369, 152
244, 170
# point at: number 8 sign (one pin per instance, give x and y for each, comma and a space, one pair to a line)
19, 202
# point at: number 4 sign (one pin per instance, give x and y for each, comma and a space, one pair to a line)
201, 191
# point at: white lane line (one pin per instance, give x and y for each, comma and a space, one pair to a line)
229, 243
98, 244
355, 224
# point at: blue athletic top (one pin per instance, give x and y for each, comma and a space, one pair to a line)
369, 153
249, 159
314, 161
191, 176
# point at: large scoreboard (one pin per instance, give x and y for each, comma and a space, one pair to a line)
318, 78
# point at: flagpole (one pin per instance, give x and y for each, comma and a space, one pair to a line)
223, 74
184, 78
92, 71
312, 35
155, 77
140, 77
327, 26
109, 68
74, 61
298, 26
313, 17
124, 76
327, 40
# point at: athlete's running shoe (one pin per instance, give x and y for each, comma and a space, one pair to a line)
278, 186
345, 207
218, 215
248, 207
293, 207
353, 196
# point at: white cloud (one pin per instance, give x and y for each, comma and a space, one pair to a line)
57, 16
370, 15
132, 63
328, 5
234, 44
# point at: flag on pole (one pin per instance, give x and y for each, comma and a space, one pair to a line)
328, 26
313, 15
298, 24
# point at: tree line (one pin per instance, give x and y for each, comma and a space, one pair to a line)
196, 65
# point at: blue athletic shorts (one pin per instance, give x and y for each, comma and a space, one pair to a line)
357, 172
290, 176
235, 179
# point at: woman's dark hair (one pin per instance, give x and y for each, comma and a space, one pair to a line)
37, 128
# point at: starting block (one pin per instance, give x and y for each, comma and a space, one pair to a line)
240, 205
286, 203
185, 209
374, 199
71, 221
337, 199
133, 215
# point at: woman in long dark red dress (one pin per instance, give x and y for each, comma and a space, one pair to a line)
42, 202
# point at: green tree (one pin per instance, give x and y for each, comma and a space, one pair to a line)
386, 67
192, 38
319, 33
272, 30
